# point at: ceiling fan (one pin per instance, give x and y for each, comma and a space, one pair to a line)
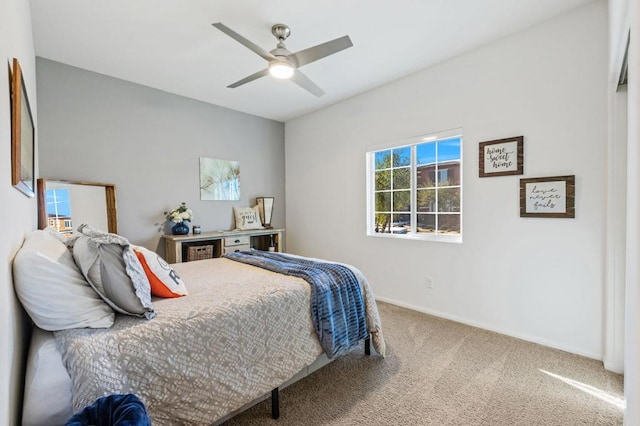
283, 63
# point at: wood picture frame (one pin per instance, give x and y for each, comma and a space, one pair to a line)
22, 135
501, 157
552, 197
91, 202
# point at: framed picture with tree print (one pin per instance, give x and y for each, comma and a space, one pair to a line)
22, 135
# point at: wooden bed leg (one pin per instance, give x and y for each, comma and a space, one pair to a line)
367, 346
275, 404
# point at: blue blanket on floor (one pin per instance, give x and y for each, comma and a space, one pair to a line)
337, 308
113, 410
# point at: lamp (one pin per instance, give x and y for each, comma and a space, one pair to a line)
265, 209
281, 69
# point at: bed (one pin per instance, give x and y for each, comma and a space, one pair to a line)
240, 333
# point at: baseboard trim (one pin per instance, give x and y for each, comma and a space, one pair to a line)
477, 324
614, 367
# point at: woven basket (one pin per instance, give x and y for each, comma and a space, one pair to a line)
199, 252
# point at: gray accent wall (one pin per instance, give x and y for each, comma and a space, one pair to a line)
148, 143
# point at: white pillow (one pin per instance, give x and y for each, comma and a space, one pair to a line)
247, 218
51, 288
111, 267
47, 385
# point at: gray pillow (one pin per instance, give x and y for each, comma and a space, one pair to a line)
111, 267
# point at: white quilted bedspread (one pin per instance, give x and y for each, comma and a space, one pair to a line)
240, 332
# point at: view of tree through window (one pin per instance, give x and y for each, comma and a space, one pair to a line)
417, 188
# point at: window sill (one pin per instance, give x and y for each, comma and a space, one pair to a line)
441, 238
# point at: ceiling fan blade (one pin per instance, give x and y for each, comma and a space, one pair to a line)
320, 51
252, 77
249, 44
303, 81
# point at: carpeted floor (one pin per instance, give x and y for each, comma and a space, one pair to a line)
439, 372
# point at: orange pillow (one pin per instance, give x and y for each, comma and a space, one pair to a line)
164, 280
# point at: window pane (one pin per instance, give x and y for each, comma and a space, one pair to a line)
426, 223
383, 159
448, 150
402, 156
401, 223
448, 223
383, 201
426, 200
426, 176
401, 201
402, 178
383, 180
449, 173
58, 208
382, 221
449, 200
58, 203
426, 153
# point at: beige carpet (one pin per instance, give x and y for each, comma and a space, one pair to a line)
439, 372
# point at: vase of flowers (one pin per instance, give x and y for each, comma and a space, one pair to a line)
180, 216
180, 228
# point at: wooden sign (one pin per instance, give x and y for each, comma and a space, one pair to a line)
502, 157
548, 197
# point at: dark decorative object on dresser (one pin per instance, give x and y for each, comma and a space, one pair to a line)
180, 228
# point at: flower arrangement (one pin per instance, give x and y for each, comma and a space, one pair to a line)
180, 214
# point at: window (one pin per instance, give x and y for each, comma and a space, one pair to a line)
415, 189
58, 208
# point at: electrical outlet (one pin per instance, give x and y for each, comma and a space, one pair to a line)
429, 282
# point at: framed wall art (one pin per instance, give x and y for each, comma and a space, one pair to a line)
22, 135
219, 179
548, 197
502, 157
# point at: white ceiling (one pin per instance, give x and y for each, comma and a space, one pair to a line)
170, 44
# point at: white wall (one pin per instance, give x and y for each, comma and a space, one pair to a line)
148, 143
616, 189
616, 230
632, 288
17, 212
624, 18
539, 279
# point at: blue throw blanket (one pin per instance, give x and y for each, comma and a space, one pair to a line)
337, 308
113, 410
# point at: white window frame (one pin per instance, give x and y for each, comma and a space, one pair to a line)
412, 142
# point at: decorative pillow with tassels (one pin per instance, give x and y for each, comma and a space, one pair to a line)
111, 267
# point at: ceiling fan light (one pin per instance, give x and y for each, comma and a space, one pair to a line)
281, 69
